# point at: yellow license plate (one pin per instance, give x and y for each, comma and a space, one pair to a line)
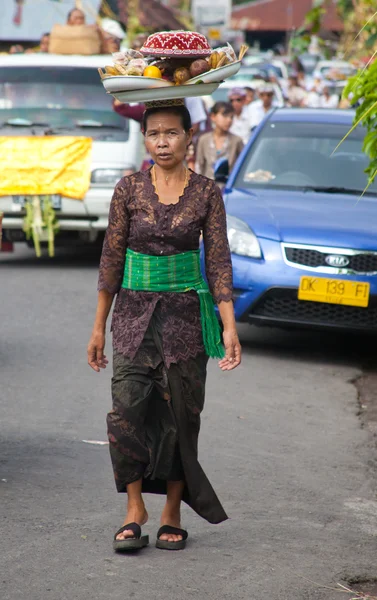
334, 291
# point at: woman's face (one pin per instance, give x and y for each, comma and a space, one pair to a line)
77, 17
166, 140
223, 120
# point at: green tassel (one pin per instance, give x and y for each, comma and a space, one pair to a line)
210, 326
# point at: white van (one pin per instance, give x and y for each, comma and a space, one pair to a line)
45, 94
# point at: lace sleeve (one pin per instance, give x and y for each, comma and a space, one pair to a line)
217, 253
115, 244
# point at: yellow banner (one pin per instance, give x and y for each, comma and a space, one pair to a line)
45, 165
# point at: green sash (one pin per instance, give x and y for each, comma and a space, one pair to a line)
177, 273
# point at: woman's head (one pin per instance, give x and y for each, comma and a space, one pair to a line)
222, 115
168, 133
76, 17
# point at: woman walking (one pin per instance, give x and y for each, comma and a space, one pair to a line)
164, 328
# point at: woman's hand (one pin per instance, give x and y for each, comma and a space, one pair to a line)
96, 358
232, 350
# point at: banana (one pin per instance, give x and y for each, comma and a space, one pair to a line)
213, 59
120, 70
223, 61
111, 71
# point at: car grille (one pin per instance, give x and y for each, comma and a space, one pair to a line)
283, 305
363, 262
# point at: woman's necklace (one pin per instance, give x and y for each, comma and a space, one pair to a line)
154, 179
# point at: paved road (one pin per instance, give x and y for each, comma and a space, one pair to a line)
281, 442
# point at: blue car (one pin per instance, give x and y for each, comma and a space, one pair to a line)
303, 240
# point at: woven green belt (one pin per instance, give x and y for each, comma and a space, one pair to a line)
177, 273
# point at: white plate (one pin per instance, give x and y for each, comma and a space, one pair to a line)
217, 75
125, 83
167, 93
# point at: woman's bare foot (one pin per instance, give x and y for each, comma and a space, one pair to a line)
172, 518
135, 514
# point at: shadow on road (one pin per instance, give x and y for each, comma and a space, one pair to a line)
70, 258
350, 349
342, 348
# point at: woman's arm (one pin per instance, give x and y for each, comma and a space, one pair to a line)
219, 275
110, 272
230, 337
129, 112
96, 357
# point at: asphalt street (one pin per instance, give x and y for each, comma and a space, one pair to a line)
281, 442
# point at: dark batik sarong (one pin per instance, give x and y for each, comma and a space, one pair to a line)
154, 425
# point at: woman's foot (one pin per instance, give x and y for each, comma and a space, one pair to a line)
172, 518
135, 514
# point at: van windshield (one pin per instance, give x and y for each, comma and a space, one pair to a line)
59, 98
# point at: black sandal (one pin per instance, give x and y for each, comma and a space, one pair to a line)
130, 544
165, 545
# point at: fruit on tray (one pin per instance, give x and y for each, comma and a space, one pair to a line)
152, 71
199, 66
175, 56
181, 75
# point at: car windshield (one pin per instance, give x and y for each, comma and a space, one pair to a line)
60, 98
336, 70
292, 155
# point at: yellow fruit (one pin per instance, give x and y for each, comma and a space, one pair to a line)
111, 71
152, 72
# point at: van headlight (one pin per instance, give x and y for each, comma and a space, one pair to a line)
242, 240
107, 177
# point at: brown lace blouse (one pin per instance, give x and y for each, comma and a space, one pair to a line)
138, 220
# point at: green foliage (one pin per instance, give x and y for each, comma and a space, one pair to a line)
360, 27
363, 89
345, 7
313, 19
300, 40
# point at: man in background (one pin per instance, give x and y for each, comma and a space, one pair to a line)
296, 94
241, 125
259, 109
111, 35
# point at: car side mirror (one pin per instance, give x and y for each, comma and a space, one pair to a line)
221, 170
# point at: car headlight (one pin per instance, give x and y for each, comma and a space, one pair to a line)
108, 177
242, 240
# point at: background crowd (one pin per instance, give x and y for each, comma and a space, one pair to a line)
224, 123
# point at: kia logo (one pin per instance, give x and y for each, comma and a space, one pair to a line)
337, 260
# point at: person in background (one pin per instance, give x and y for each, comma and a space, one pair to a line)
250, 95
313, 97
241, 120
110, 43
16, 49
76, 17
112, 35
259, 109
44, 42
328, 100
219, 143
295, 94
